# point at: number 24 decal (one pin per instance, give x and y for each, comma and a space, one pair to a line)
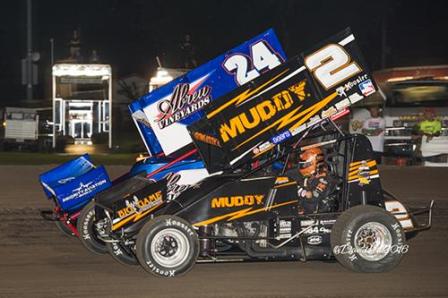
331, 65
262, 57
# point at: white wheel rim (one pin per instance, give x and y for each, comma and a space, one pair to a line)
170, 248
373, 241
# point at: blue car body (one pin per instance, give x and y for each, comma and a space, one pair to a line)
76, 182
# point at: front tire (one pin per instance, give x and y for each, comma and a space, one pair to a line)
87, 233
368, 239
121, 253
167, 246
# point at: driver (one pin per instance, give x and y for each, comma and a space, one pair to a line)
315, 183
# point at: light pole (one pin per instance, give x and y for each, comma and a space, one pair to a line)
29, 51
52, 51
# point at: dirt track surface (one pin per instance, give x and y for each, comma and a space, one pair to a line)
37, 261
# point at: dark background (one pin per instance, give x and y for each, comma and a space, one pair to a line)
129, 34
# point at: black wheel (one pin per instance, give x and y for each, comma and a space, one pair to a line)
63, 228
121, 253
368, 239
167, 246
86, 230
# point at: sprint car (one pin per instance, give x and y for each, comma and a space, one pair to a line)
255, 216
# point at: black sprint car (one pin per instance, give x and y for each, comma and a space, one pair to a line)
255, 216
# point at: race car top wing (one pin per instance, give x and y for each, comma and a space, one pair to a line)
282, 103
162, 115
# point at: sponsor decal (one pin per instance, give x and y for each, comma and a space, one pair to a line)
355, 97
281, 137
363, 172
329, 112
367, 87
299, 90
174, 188
263, 148
296, 117
345, 103
84, 189
348, 86
206, 139
185, 100
314, 240
308, 222
284, 229
284, 182
317, 230
251, 119
281, 180
241, 213
137, 209
65, 180
401, 214
236, 201
140, 205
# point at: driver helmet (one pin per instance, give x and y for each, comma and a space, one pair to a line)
310, 160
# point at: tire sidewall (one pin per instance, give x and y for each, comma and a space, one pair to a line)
64, 228
146, 236
120, 254
347, 255
87, 233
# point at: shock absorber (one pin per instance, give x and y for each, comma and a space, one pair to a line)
204, 242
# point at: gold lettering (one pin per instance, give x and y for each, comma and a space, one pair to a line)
248, 200
219, 202
237, 201
235, 128
259, 199
255, 119
266, 110
229, 202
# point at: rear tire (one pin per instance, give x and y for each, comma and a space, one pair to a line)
121, 254
167, 246
87, 233
62, 227
368, 239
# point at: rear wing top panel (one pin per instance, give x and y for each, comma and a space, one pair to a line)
283, 103
162, 116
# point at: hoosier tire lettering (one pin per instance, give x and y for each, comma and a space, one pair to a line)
121, 253
87, 231
167, 246
368, 239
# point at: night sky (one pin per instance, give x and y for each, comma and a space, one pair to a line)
129, 34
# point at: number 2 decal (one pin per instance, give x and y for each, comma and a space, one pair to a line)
262, 57
331, 65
